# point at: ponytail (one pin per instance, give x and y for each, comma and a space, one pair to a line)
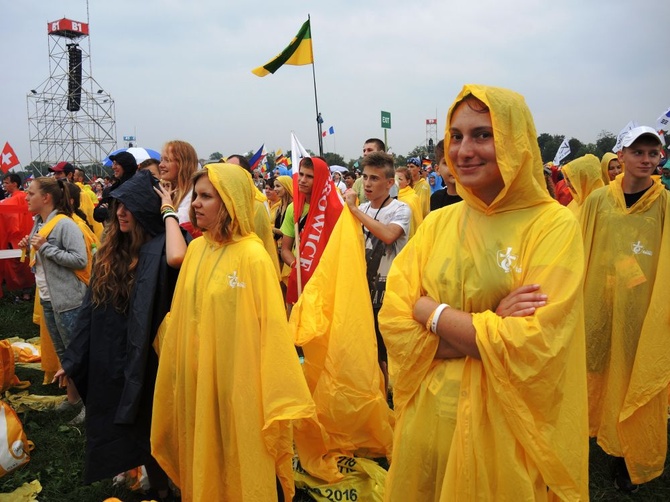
75, 197
64, 205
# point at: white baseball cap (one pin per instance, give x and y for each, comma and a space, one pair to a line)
631, 136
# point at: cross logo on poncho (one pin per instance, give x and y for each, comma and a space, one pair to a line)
233, 282
506, 259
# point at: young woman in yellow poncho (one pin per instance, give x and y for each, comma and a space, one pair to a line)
583, 176
229, 381
407, 195
485, 338
284, 187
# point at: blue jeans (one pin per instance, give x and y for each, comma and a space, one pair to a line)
60, 326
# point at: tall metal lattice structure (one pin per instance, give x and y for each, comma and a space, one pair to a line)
70, 116
431, 137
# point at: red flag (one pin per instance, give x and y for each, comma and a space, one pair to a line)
325, 207
8, 158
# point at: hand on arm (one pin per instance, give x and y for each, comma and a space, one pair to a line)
522, 302
455, 329
175, 244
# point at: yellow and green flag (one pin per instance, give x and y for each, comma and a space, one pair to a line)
298, 53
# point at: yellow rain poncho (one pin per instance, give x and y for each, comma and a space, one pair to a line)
422, 189
605, 165
585, 177
262, 226
409, 197
627, 325
333, 323
87, 205
229, 381
513, 425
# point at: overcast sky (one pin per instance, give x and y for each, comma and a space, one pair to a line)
182, 70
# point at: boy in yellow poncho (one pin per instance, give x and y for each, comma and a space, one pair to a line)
583, 176
490, 390
419, 184
229, 382
407, 195
627, 245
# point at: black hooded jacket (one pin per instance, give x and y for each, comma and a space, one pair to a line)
110, 357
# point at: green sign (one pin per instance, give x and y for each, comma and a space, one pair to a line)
386, 120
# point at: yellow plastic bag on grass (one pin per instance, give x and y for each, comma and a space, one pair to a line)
363, 480
24, 401
26, 352
8, 378
27, 492
14, 446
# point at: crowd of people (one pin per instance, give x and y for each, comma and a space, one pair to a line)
509, 328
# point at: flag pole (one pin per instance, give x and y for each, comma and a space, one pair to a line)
319, 120
298, 272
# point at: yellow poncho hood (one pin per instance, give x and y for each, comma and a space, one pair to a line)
287, 183
517, 151
235, 187
585, 176
604, 166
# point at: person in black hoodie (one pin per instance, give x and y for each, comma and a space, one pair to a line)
124, 166
110, 358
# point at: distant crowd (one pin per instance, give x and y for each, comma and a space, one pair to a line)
508, 327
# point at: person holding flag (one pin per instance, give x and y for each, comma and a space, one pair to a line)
314, 211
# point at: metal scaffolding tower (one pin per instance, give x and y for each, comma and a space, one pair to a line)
70, 116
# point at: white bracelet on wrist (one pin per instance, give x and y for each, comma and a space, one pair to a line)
436, 317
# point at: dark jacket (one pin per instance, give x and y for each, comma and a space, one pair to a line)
112, 363
110, 358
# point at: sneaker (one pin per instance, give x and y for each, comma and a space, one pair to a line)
67, 406
622, 480
80, 418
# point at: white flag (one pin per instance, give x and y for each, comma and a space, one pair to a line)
663, 122
297, 153
619, 139
563, 152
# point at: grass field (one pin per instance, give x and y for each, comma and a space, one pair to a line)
58, 457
